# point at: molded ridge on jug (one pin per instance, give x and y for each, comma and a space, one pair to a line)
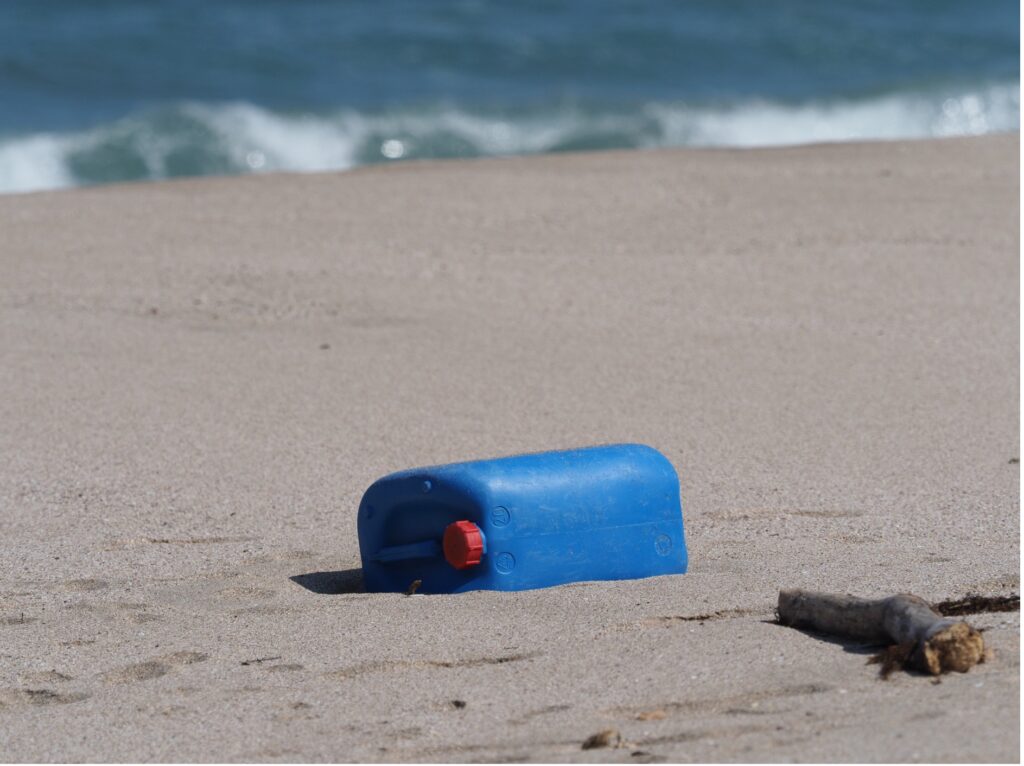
527, 521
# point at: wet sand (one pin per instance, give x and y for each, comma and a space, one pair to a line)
198, 379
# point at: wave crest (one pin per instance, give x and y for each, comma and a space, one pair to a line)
202, 139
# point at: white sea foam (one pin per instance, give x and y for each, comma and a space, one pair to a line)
33, 163
994, 109
225, 138
258, 139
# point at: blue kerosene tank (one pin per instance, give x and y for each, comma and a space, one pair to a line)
529, 521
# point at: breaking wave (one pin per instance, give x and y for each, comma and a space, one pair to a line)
189, 139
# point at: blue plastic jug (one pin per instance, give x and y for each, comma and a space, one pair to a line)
529, 521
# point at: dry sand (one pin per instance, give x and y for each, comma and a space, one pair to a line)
198, 380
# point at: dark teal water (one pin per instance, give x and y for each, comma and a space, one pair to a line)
123, 90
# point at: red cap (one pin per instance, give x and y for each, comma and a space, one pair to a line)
463, 544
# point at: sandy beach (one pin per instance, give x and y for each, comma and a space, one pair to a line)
199, 379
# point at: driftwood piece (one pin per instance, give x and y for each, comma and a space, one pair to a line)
920, 637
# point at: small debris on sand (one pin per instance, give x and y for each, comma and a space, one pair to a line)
606, 738
258, 660
919, 637
974, 604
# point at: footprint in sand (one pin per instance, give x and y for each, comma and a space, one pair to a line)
43, 677
140, 671
286, 668
26, 697
295, 711
120, 611
159, 666
18, 620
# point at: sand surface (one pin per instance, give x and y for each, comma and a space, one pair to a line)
199, 379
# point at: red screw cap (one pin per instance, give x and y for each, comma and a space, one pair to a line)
463, 544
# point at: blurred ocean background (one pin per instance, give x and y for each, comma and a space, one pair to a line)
116, 90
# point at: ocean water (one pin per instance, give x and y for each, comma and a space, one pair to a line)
119, 90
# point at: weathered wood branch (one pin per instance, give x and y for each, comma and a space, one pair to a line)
922, 637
